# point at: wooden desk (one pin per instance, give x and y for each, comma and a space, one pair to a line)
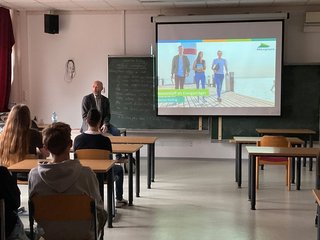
277, 152
316, 194
297, 132
239, 141
100, 167
130, 149
43, 126
150, 141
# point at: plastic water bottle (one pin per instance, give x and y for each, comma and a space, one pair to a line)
54, 117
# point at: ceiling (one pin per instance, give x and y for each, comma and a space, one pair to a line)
85, 5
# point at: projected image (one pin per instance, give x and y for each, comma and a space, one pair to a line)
219, 68
216, 73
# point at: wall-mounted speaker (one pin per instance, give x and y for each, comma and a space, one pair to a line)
51, 23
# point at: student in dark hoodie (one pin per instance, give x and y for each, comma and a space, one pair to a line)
66, 176
10, 192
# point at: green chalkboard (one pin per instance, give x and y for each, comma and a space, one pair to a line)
300, 100
131, 91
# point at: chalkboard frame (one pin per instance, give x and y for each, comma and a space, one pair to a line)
299, 106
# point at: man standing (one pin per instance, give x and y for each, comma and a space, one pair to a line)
218, 66
180, 68
101, 103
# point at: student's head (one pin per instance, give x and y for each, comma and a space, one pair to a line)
93, 118
19, 117
219, 53
180, 50
14, 139
57, 138
200, 55
97, 87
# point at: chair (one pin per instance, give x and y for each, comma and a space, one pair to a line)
96, 154
63, 216
92, 154
2, 220
274, 141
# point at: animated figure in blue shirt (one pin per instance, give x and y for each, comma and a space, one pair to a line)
180, 68
219, 67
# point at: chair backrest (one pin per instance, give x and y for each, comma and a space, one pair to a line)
273, 141
2, 220
92, 154
64, 216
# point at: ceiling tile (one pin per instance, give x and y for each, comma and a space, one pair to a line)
156, 5
223, 3
26, 5
94, 5
190, 4
74, 5
291, 2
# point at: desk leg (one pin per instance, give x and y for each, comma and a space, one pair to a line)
298, 173
138, 173
149, 167
240, 166
318, 222
253, 182
236, 163
249, 178
293, 170
304, 159
310, 159
100, 177
130, 179
317, 172
153, 166
109, 195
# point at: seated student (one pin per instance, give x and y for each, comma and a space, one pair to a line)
10, 192
93, 139
63, 175
18, 139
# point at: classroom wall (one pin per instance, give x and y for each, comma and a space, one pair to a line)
89, 37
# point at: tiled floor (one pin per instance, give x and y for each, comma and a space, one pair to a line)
195, 199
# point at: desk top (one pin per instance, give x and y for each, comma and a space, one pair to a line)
126, 148
283, 151
254, 140
123, 139
133, 139
284, 131
98, 166
43, 126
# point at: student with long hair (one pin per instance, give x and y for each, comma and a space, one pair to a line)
18, 139
199, 67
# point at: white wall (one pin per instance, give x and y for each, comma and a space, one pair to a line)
89, 37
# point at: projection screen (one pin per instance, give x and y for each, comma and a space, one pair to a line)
219, 68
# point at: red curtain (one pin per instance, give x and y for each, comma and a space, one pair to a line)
6, 43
